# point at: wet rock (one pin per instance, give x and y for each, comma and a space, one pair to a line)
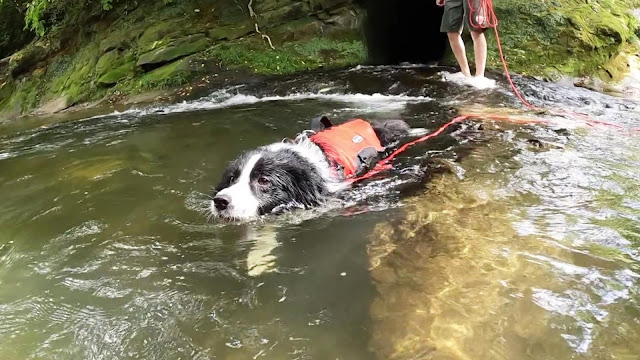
346, 19
317, 5
25, 59
116, 42
80, 73
269, 5
231, 32
169, 71
176, 49
285, 13
55, 105
294, 31
109, 61
162, 34
591, 83
113, 76
6, 89
535, 143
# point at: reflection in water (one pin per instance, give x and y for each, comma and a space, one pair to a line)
510, 262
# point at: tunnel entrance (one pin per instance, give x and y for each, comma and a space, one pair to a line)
399, 31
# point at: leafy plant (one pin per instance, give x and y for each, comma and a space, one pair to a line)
35, 16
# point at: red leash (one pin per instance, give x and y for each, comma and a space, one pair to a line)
489, 19
383, 164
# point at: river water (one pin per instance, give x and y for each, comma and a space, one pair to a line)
495, 240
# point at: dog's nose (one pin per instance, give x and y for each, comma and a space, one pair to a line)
221, 202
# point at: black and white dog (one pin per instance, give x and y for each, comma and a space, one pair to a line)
305, 172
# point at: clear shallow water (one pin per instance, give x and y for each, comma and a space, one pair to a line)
479, 245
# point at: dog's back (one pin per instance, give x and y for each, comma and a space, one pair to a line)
304, 172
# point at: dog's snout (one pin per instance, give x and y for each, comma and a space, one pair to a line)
221, 202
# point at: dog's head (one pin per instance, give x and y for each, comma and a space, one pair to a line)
269, 179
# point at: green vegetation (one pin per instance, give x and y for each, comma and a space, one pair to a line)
571, 37
291, 57
80, 50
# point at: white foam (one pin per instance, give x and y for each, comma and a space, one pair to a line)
418, 132
404, 65
481, 83
230, 97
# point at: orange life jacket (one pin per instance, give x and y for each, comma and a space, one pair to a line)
350, 147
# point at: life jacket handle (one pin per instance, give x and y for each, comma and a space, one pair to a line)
320, 123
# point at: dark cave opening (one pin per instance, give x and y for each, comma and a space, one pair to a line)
400, 31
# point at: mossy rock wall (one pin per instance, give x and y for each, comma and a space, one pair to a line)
158, 44
153, 44
565, 37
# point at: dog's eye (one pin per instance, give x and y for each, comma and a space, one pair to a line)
263, 181
231, 178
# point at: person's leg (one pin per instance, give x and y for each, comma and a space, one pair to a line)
452, 22
457, 46
479, 51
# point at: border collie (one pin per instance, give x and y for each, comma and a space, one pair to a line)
305, 172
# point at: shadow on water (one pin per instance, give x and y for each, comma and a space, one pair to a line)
493, 241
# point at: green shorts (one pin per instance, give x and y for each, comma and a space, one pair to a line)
456, 14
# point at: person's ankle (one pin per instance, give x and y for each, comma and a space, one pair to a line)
480, 75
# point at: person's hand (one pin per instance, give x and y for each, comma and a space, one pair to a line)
440, 2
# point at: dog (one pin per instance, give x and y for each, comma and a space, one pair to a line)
304, 172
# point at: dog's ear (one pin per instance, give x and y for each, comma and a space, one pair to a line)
321, 123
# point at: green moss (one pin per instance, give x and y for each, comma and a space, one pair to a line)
291, 57
179, 48
109, 61
117, 74
160, 34
564, 37
27, 95
74, 76
170, 75
231, 32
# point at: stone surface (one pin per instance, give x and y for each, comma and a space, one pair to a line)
118, 42
113, 76
168, 71
345, 19
231, 32
109, 61
317, 5
161, 34
283, 14
297, 30
55, 105
26, 58
174, 50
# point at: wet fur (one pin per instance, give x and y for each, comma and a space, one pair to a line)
284, 176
